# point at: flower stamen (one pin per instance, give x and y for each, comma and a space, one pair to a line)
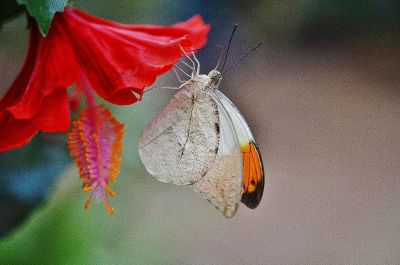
95, 142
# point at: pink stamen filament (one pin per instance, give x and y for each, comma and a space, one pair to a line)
85, 86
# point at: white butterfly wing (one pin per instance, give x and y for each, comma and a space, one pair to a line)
222, 185
253, 168
179, 145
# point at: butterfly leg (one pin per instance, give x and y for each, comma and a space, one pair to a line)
197, 71
163, 87
184, 84
190, 59
177, 75
187, 65
180, 69
198, 64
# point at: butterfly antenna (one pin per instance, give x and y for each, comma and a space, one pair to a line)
220, 55
229, 46
243, 57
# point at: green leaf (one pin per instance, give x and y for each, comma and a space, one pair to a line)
43, 11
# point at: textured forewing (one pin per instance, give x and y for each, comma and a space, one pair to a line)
179, 144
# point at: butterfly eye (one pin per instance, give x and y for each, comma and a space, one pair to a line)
215, 78
214, 81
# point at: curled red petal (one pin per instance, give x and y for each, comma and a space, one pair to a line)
15, 133
37, 100
118, 59
20, 84
53, 116
50, 65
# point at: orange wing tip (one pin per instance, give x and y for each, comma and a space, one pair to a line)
95, 141
253, 175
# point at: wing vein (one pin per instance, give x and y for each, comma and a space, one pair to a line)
190, 124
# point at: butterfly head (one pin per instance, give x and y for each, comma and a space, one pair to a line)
215, 78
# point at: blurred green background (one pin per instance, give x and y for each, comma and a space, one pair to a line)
322, 98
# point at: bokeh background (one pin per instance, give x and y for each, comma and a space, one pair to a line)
322, 97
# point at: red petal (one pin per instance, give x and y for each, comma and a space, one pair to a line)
52, 66
118, 58
53, 116
15, 133
17, 89
37, 100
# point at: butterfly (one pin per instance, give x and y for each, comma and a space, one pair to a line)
201, 139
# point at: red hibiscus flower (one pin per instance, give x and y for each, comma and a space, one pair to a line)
116, 59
